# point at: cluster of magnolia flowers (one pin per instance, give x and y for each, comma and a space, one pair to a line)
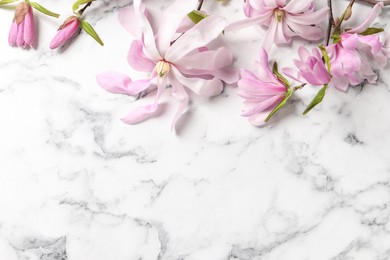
22, 32
173, 48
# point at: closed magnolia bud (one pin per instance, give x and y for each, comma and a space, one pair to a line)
68, 29
348, 13
22, 29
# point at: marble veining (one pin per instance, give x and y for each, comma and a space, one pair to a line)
78, 184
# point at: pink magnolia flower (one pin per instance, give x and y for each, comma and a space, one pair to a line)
283, 19
65, 32
311, 68
356, 57
262, 91
181, 60
22, 32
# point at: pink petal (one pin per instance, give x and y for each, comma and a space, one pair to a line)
173, 17
309, 18
270, 103
206, 60
146, 28
270, 36
137, 58
293, 74
263, 71
140, 114
13, 33
375, 11
29, 32
200, 35
311, 33
128, 19
143, 113
20, 37
259, 119
256, 20
120, 83
199, 86
181, 95
298, 6
340, 83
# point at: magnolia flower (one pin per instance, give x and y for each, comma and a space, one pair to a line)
262, 92
283, 19
311, 68
21, 33
68, 29
181, 60
356, 57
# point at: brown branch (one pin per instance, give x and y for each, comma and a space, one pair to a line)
374, 2
200, 5
331, 22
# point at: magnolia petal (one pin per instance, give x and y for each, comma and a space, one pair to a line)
128, 19
29, 32
140, 114
256, 20
200, 35
13, 34
227, 74
206, 60
269, 103
181, 95
143, 113
147, 30
259, 119
20, 36
309, 18
293, 74
199, 86
173, 17
120, 83
270, 36
311, 33
375, 11
137, 59
340, 83
298, 6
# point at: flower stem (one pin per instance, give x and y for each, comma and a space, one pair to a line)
331, 22
337, 28
200, 5
85, 8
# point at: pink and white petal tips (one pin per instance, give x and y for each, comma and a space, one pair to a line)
65, 32
180, 60
261, 92
285, 20
311, 68
22, 33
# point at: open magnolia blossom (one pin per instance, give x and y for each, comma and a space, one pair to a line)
261, 92
311, 68
181, 60
284, 19
357, 54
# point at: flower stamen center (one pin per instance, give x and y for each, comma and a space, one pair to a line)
162, 68
279, 15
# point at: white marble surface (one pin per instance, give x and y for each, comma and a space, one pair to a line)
78, 184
